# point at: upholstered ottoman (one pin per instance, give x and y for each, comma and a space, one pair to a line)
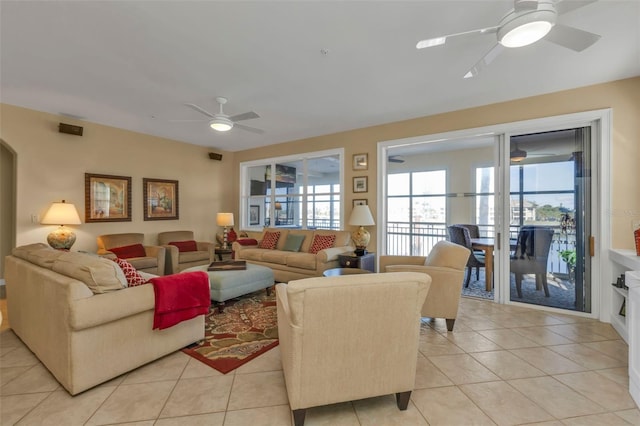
226, 285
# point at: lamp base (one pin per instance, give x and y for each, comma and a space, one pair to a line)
62, 238
360, 251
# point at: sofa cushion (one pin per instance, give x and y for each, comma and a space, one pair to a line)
343, 238
302, 261
193, 256
128, 252
99, 274
253, 254
293, 242
321, 242
275, 256
185, 246
130, 273
269, 240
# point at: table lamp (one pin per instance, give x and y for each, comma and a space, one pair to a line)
361, 216
225, 220
61, 214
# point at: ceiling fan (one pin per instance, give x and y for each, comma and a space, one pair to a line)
395, 159
223, 122
528, 22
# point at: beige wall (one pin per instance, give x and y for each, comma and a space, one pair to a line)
622, 96
51, 167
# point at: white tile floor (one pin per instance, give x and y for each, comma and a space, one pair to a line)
501, 366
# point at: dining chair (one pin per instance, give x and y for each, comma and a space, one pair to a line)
459, 234
531, 256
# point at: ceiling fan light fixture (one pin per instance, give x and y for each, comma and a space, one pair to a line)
517, 155
520, 29
221, 124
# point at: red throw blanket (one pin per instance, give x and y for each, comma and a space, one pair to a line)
180, 297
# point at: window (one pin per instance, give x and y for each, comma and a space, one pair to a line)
416, 211
301, 192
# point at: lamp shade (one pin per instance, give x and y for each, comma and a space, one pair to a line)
224, 219
61, 214
361, 216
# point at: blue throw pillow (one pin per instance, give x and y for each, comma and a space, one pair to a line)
293, 242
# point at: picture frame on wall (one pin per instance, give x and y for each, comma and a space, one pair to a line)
254, 215
360, 161
360, 202
360, 184
160, 197
107, 198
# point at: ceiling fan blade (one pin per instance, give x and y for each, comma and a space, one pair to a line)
437, 41
200, 110
395, 159
565, 6
244, 116
571, 38
485, 61
249, 129
187, 121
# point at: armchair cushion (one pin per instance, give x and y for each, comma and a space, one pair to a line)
185, 246
127, 252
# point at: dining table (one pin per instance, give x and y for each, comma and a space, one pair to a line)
486, 245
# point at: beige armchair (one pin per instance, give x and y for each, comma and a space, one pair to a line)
177, 259
152, 261
445, 264
349, 337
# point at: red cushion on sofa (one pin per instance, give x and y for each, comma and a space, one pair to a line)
321, 242
127, 252
184, 246
131, 274
247, 241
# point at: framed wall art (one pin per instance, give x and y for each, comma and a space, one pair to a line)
107, 198
360, 184
360, 161
254, 215
160, 198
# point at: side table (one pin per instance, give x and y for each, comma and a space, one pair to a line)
350, 260
220, 251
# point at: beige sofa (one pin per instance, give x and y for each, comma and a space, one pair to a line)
71, 310
153, 260
177, 260
289, 265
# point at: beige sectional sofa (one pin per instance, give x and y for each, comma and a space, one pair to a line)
291, 265
72, 311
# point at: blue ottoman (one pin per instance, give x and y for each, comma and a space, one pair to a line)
225, 285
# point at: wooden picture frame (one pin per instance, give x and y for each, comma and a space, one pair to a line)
360, 202
360, 184
107, 198
160, 197
254, 215
360, 161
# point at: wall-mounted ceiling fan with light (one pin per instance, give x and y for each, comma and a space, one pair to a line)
223, 122
528, 22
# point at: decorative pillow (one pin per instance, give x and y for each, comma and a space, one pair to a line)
269, 240
247, 242
127, 252
293, 242
184, 246
130, 273
321, 242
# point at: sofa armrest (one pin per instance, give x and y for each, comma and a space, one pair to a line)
385, 261
172, 259
107, 307
236, 246
330, 254
158, 252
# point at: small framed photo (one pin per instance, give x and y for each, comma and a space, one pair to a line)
254, 215
360, 202
360, 161
360, 184
160, 199
107, 198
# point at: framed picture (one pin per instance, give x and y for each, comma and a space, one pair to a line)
107, 198
360, 184
160, 199
360, 161
254, 215
360, 202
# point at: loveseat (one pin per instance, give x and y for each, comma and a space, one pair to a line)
72, 311
292, 256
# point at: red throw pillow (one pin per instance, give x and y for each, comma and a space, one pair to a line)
270, 240
247, 241
127, 252
184, 246
133, 276
321, 242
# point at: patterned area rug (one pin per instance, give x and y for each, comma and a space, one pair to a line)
246, 328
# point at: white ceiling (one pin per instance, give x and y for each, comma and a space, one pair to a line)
134, 64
